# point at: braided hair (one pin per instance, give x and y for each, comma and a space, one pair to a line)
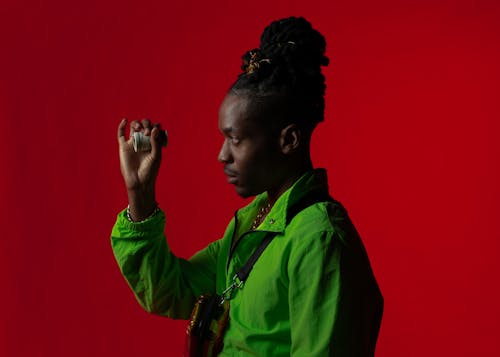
287, 65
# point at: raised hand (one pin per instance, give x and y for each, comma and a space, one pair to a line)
140, 169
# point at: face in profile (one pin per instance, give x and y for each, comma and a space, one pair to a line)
250, 151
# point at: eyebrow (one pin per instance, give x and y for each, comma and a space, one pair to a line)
229, 129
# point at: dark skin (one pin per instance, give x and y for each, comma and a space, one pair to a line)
257, 156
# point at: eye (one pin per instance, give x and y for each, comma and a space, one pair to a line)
235, 140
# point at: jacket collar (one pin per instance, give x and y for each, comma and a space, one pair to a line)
276, 220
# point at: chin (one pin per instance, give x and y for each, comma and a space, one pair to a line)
245, 192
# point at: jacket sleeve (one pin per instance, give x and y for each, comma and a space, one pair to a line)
162, 283
335, 305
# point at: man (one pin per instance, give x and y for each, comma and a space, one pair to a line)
312, 291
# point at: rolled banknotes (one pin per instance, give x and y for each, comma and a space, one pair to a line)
143, 143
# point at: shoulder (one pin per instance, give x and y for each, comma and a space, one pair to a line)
320, 219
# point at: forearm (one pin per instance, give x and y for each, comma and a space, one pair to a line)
163, 283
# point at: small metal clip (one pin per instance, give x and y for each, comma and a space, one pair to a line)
237, 282
228, 293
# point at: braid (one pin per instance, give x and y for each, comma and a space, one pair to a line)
288, 62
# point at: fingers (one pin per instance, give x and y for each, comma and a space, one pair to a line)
135, 125
142, 125
146, 124
148, 128
155, 143
121, 131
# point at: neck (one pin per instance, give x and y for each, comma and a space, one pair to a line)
290, 177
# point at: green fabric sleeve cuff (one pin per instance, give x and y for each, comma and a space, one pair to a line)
150, 227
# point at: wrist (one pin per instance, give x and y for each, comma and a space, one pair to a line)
151, 215
142, 204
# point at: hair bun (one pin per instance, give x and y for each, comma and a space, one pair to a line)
294, 40
288, 63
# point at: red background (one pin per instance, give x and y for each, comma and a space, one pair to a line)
410, 142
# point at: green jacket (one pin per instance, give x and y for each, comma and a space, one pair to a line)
311, 293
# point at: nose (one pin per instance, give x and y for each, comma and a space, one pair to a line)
224, 153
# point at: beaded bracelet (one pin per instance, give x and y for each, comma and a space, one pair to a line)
155, 211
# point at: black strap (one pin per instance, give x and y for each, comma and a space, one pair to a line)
308, 200
247, 268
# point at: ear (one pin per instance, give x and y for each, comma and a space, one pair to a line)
290, 139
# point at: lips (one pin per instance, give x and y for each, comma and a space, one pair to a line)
229, 172
231, 175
